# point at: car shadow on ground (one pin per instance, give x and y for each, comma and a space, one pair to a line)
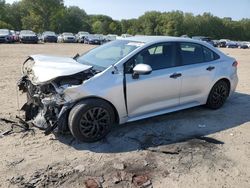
198, 122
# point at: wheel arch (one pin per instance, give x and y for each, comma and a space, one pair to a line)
117, 118
223, 79
220, 79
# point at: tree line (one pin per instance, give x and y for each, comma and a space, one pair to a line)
41, 15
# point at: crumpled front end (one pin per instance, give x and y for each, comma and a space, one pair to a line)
47, 105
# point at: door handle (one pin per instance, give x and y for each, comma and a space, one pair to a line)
175, 75
210, 68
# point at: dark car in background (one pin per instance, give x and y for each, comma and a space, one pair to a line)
49, 36
92, 39
28, 36
101, 37
205, 39
223, 43
216, 43
231, 44
5, 36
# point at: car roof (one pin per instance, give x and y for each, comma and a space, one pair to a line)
152, 39
158, 39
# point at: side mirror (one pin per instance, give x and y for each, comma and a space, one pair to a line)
141, 69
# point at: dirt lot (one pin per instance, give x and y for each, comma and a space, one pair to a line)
192, 148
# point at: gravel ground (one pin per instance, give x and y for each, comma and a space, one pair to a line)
197, 147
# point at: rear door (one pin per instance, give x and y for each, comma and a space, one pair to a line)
199, 68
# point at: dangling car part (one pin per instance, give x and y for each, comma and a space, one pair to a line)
123, 81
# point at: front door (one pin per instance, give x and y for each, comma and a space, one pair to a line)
160, 89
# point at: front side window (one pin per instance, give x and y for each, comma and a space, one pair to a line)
158, 57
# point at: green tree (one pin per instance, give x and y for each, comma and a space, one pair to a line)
75, 19
38, 15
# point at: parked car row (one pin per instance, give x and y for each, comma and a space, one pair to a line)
28, 36
222, 43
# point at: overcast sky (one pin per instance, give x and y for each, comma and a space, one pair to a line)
124, 9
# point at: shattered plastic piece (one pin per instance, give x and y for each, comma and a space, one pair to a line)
5, 133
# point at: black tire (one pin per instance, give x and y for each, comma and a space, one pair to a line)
91, 120
218, 95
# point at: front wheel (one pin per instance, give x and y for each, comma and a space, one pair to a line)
218, 95
90, 120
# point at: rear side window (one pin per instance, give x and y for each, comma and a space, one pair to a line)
209, 55
192, 53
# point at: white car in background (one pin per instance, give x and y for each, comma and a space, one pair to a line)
67, 38
111, 37
124, 81
80, 36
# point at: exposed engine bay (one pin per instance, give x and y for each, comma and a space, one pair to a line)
47, 106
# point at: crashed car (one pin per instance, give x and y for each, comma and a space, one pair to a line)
124, 81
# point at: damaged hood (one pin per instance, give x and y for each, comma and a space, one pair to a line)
41, 68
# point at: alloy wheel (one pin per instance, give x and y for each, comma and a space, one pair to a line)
95, 122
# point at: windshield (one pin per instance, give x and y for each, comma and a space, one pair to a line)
109, 54
27, 32
99, 36
49, 33
92, 37
68, 34
4, 31
83, 33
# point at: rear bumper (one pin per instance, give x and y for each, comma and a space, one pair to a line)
234, 83
69, 40
52, 39
29, 40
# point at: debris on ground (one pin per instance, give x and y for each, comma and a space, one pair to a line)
18, 125
141, 181
15, 162
119, 166
53, 175
80, 168
91, 183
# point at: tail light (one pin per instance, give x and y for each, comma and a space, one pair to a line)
235, 64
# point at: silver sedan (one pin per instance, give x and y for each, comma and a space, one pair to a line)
123, 81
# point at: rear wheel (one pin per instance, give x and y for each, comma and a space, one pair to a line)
91, 120
218, 95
